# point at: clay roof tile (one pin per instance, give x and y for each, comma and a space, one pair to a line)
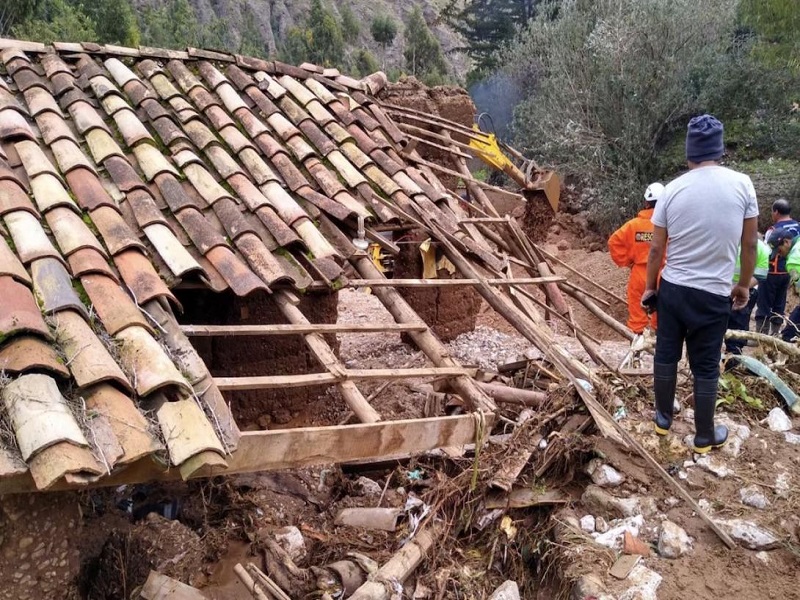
53, 287
89, 261
19, 312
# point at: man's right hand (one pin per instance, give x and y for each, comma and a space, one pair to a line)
649, 299
740, 296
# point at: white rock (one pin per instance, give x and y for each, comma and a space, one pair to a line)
643, 584
688, 414
752, 496
705, 506
763, 557
673, 541
606, 476
672, 502
588, 523
713, 466
507, 591
600, 525
676, 406
368, 486
791, 438
783, 484
778, 421
750, 535
291, 540
738, 434
613, 537
600, 502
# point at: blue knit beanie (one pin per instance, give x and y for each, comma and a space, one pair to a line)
704, 139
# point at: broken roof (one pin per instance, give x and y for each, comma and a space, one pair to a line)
125, 172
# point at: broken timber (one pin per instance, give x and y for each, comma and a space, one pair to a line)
356, 283
297, 448
283, 329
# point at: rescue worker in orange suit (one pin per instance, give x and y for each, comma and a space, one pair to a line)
629, 247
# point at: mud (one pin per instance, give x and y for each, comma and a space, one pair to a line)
258, 355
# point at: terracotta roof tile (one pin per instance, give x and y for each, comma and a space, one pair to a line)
252, 124
102, 145
13, 126
222, 161
113, 103
138, 92
201, 135
131, 128
53, 287
123, 174
13, 197
186, 430
329, 183
71, 232
9, 101
19, 312
261, 260
232, 219
163, 86
69, 156
141, 278
317, 137
327, 205
211, 75
119, 71
86, 118
177, 258
291, 174
173, 193
234, 271
27, 79
34, 160
152, 162
168, 131
153, 109
148, 363
40, 100
10, 265
113, 305
89, 261
116, 233
346, 169
88, 359
30, 239
202, 235
282, 233
205, 183
88, 189
27, 353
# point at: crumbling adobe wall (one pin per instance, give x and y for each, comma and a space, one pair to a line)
242, 356
448, 102
450, 311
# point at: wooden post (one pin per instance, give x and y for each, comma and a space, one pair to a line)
327, 357
600, 313
511, 395
425, 340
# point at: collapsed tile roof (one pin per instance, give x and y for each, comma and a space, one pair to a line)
125, 172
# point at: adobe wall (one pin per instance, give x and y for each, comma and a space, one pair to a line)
257, 355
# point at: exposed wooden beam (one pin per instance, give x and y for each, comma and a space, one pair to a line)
269, 382
296, 448
295, 329
356, 283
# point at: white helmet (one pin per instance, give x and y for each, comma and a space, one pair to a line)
653, 192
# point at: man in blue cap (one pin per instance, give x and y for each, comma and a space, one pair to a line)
705, 214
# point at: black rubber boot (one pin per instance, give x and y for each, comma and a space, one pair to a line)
706, 435
760, 324
665, 378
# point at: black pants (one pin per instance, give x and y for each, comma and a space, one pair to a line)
740, 320
792, 329
772, 297
696, 317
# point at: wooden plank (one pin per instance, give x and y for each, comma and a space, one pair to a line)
299, 329
356, 283
309, 379
296, 448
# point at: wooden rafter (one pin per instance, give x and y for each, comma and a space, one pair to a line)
296, 329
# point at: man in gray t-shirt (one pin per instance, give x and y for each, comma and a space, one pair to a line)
703, 217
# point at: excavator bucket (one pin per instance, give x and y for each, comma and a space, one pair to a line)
487, 148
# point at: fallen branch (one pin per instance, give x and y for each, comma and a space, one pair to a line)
511, 395
764, 340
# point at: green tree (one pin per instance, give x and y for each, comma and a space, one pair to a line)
365, 63
56, 21
296, 47
327, 43
350, 25
173, 24
15, 12
609, 82
252, 42
423, 53
383, 30
114, 21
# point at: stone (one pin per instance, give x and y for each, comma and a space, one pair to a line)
778, 421
25, 542
507, 591
752, 496
600, 502
783, 484
672, 502
791, 438
600, 525
763, 557
588, 586
588, 523
291, 540
688, 415
713, 466
604, 475
563, 245
750, 535
614, 537
368, 487
673, 541
738, 434
642, 584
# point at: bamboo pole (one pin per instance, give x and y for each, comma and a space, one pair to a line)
295, 329
600, 314
425, 340
248, 582
327, 357
373, 283
398, 568
511, 395
582, 276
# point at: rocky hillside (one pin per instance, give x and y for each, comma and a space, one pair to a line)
274, 18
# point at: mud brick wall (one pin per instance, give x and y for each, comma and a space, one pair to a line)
246, 356
450, 311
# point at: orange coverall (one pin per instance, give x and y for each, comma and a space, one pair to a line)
629, 246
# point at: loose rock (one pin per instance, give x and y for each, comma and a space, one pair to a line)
604, 475
368, 487
643, 584
507, 591
673, 541
791, 438
588, 523
713, 466
783, 484
613, 538
750, 535
600, 525
600, 502
752, 496
291, 540
778, 421
588, 586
